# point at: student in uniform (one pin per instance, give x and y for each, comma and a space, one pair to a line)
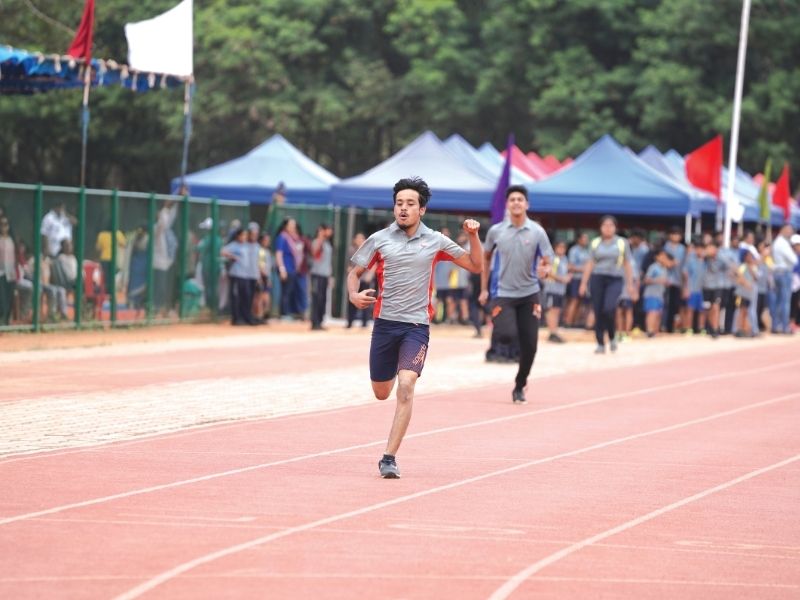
403, 256
656, 281
626, 309
522, 254
609, 269
746, 293
693, 270
555, 288
715, 273
577, 257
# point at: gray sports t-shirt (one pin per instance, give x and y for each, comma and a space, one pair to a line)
517, 251
714, 273
404, 270
322, 264
606, 256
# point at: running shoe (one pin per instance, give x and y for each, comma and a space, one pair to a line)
555, 338
613, 345
518, 396
600, 350
388, 468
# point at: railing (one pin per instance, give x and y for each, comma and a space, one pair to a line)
148, 274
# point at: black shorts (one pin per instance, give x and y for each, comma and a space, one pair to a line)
742, 302
572, 288
625, 303
397, 346
711, 297
443, 295
554, 301
458, 294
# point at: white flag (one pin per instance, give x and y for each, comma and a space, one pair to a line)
163, 44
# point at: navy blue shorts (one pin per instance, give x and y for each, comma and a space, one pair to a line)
397, 346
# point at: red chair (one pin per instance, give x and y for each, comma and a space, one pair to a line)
94, 289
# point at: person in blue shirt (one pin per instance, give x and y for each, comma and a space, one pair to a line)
577, 257
674, 295
555, 288
656, 281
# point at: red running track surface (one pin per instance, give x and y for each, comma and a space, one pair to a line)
628, 483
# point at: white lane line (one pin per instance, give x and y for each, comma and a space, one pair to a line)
405, 576
237, 471
514, 582
162, 578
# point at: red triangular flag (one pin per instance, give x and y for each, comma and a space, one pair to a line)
704, 167
780, 197
81, 46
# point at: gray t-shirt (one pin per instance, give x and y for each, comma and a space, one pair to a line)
254, 270
655, 290
714, 273
730, 258
606, 256
241, 266
578, 256
751, 278
559, 267
517, 251
678, 252
322, 262
404, 270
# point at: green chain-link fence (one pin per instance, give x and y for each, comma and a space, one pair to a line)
163, 265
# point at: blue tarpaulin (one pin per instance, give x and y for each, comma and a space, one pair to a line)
24, 72
454, 185
607, 178
482, 163
256, 175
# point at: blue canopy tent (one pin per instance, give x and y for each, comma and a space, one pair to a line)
24, 72
607, 178
257, 174
455, 186
491, 166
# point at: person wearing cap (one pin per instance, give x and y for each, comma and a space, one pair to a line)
403, 256
785, 259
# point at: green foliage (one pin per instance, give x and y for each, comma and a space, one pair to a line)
351, 82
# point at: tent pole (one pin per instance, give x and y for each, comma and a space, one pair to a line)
687, 235
737, 109
87, 84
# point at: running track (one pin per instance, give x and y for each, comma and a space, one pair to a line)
675, 479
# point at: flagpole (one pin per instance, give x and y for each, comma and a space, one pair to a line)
737, 109
188, 94
87, 84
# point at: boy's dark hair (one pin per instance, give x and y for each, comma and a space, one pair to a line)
675, 229
712, 242
638, 233
516, 188
697, 240
413, 183
611, 218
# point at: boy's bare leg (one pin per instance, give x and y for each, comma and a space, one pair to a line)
402, 413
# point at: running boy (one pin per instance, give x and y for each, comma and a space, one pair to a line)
404, 255
555, 288
656, 281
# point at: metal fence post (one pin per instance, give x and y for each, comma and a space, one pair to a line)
182, 254
151, 218
214, 250
79, 253
36, 298
112, 285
